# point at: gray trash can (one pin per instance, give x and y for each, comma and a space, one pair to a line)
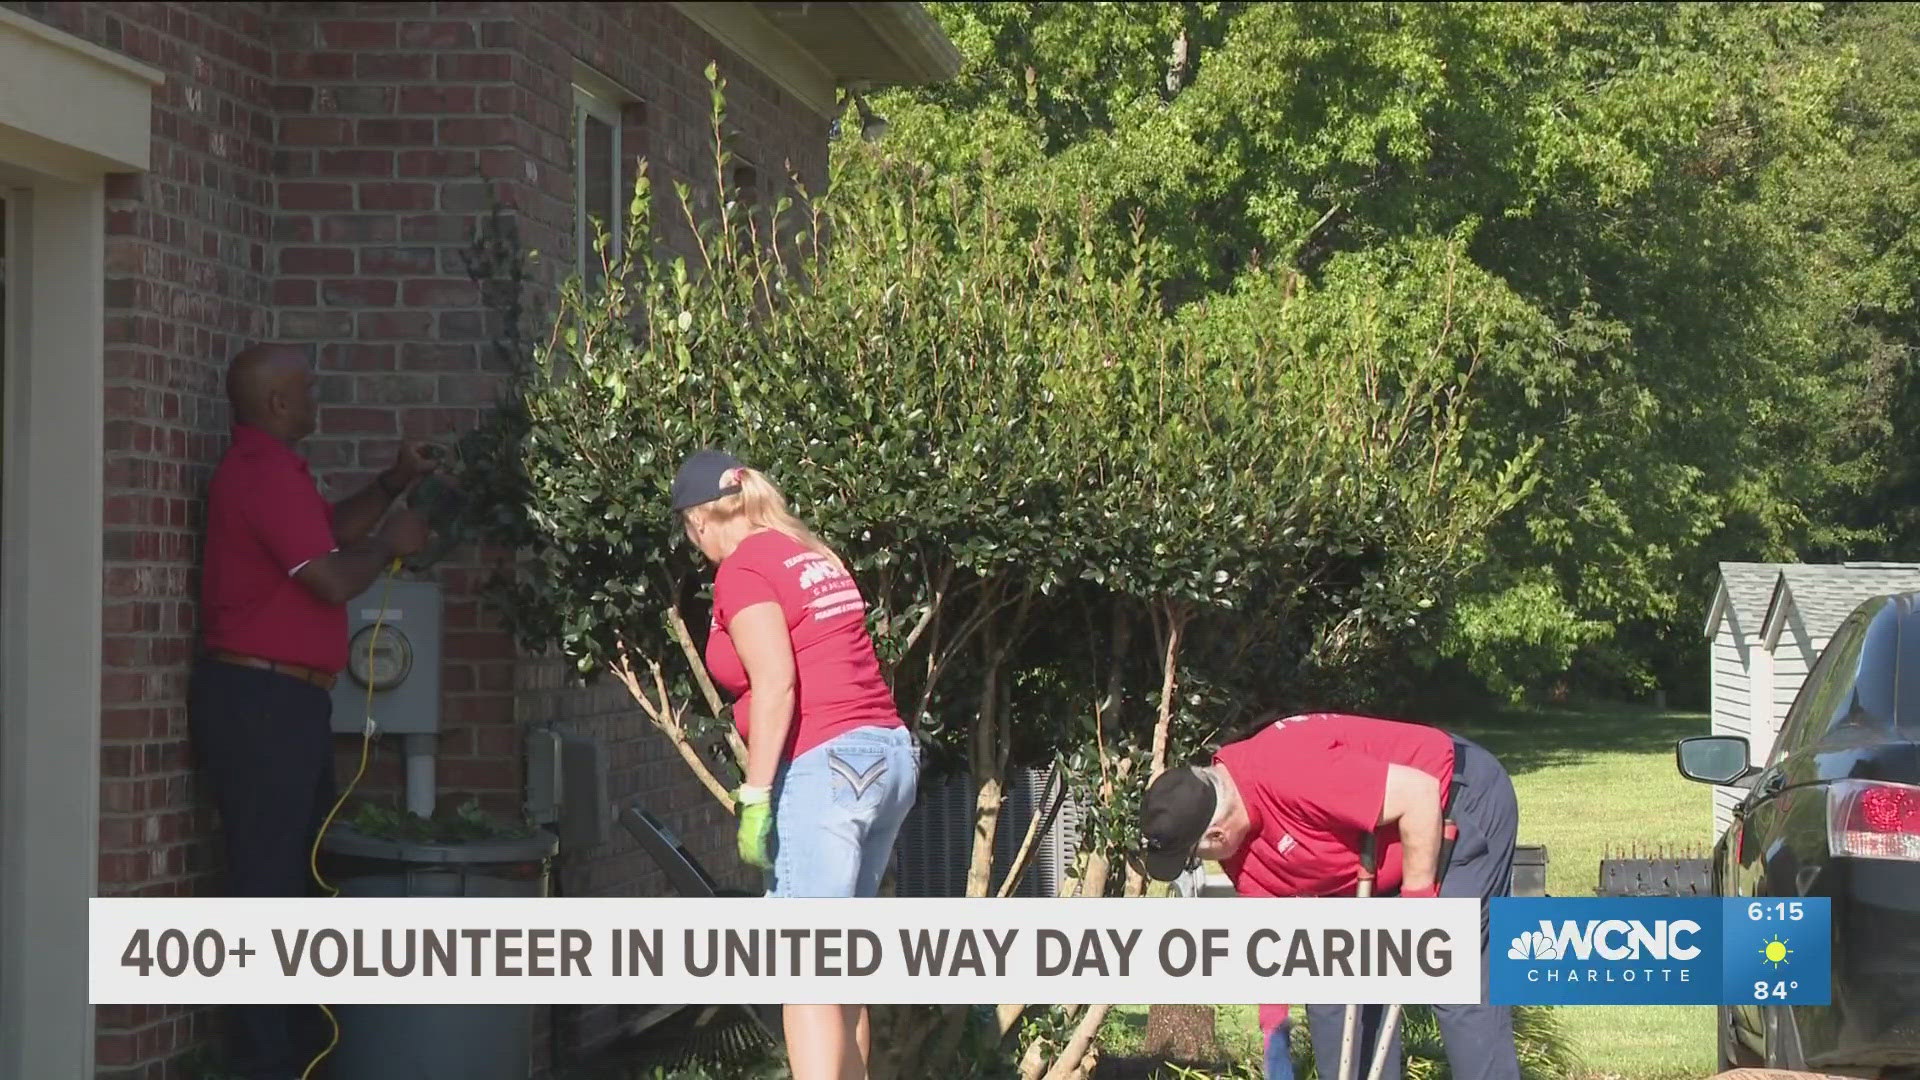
435, 1042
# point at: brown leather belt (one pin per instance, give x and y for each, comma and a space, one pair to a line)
305, 674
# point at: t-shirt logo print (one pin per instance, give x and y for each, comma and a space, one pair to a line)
857, 779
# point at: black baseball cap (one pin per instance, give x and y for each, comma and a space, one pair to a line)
1174, 815
702, 479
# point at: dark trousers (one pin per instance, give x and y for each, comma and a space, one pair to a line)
265, 743
1479, 1038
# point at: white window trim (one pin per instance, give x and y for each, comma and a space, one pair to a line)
602, 107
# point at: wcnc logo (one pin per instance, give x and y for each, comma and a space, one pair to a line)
1604, 951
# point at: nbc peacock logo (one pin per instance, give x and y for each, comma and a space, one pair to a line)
1537, 945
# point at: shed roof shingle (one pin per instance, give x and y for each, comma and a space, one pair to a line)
1825, 595
1749, 591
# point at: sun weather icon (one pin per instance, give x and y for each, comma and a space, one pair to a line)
1775, 952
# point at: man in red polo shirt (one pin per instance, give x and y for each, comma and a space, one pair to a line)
1284, 812
280, 566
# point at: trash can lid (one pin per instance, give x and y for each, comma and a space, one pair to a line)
346, 840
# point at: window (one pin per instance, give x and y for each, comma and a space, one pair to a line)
1828, 691
596, 179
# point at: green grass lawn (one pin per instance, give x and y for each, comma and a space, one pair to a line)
1590, 780
1596, 779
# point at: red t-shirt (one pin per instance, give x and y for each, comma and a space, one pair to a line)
1313, 786
837, 680
266, 518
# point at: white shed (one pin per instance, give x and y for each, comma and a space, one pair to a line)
1768, 623
1741, 672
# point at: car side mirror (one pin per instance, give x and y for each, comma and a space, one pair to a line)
1714, 759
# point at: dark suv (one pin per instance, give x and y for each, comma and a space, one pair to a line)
1835, 812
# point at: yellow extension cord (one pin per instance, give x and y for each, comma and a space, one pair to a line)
366, 745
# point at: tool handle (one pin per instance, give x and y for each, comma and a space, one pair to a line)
1366, 857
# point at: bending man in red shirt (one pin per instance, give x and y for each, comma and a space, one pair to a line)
1284, 812
831, 770
280, 566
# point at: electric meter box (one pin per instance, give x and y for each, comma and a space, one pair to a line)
401, 661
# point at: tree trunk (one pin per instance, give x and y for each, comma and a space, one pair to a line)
987, 782
1067, 1065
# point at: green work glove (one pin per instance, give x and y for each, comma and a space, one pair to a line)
756, 824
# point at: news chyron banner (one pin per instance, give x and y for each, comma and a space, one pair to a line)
1661, 951
472, 950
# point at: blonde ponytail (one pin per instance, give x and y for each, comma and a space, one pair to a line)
762, 504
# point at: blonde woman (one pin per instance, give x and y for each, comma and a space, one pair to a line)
831, 769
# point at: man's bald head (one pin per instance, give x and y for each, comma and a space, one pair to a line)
270, 386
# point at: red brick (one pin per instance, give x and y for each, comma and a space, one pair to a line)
441, 228
395, 132
395, 260
396, 196
114, 1049
494, 678
126, 723
432, 357
501, 741
499, 34
291, 99
315, 196
383, 66
359, 35
474, 67
124, 652
396, 326
356, 100
438, 163
437, 99
434, 423
437, 35
315, 325
490, 131
359, 228
476, 646
294, 292
472, 774
342, 421
303, 66
440, 294
306, 260
346, 357
358, 293
315, 131
355, 162
394, 390
481, 390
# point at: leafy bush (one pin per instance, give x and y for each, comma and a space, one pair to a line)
467, 823
1090, 531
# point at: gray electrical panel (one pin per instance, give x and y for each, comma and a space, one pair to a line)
401, 662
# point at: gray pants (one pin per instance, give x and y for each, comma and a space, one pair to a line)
1479, 1038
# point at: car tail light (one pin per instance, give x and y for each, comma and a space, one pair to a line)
1873, 819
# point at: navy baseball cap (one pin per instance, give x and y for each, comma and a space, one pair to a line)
1174, 815
702, 479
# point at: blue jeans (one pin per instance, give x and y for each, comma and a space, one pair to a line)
1280, 1053
836, 811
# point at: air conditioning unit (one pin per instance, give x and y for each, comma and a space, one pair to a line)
936, 841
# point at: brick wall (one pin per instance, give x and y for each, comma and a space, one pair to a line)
188, 281
390, 118
659, 58
318, 169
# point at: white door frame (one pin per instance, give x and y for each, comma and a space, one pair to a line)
70, 113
